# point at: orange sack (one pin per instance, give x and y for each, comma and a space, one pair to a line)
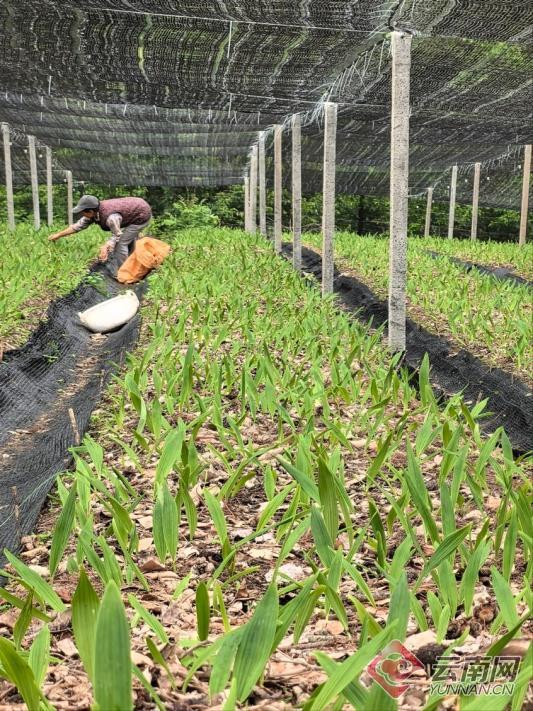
149, 253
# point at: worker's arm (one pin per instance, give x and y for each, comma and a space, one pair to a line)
114, 222
81, 224
64, 233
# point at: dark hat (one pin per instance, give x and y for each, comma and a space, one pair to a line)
86, 202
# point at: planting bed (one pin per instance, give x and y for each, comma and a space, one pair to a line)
265, 501
491, 319
34, 271
506, 255
508, 401
501, 273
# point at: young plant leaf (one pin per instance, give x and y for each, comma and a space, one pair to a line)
17, 602
505, 598
256, 643
170, 453
203, 611
62, 529
147, 617
307, 484
39, 656
509, 547
34, 581
20, 674
219, 521
323, 542
85, 604
470, 576
418, 491
223, 663
400, 606
112, 661
444, 621
23, 621
349, 670
160, 659
355, 692
328, 498
380, 457
448, 546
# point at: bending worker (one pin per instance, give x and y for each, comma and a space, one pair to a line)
124, 217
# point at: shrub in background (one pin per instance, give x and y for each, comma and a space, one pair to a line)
185, 214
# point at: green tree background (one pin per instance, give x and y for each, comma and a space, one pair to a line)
177, 208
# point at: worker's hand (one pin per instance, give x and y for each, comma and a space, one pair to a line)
54, 238
103, 254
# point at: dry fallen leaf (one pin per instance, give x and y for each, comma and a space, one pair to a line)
188, 552
334, 627
40, 570
8, 618
492, 503
474, 515
517, 648
262, 553
287, 668
151, 565
141, 659
145, 544
67, 647
293, 571
419, 640
470, 645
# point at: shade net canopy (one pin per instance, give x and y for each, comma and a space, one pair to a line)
141, 92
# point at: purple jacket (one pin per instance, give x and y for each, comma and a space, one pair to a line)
133, 210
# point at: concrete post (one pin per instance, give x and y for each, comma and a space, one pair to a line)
297, 191
253, 190
49, 188
453, 193
278, 226
70, 205
525, 195
9, 177
262, 185
399, 188
246, 204
34, 183
328, 196
475, 201
427, 227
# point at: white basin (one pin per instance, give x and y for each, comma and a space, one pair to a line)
110, 314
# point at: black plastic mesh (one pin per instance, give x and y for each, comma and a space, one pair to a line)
164, 93
62, 367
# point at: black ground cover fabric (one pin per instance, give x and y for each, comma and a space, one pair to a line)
509, 400
62, 367
500, 273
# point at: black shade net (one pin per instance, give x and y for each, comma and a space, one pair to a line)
48, 389
164, 93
